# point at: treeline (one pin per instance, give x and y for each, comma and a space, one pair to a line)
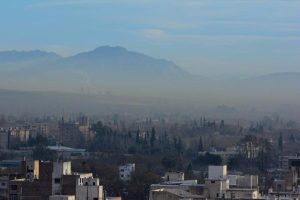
134, 142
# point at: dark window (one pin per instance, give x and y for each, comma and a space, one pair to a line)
13, 187
57, 180
13, 197
86, 183
94, 183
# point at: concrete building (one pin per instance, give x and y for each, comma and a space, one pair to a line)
67, 152
69, 133
4, 181
69, 182
4, 139
125, 171
89, 188
216, 188
176, 188
174, 194
73, 133
219, 184
62, 197
32, 169
174, 176
217, 172
113, 198
247, 181
242, 193
59, 169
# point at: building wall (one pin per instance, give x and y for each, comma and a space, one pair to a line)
69, 182
164, 196
4, 182
216, 188
242, 194
174, 176
4, 139
62, 197
32, 169
89, 189
217, 172
125, 171
59, 169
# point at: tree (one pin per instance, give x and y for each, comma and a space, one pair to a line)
189, 171
152, 137
137, 137
280, 143
208, 159
200, 146
222, 124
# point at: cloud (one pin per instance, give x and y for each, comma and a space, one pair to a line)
152, 33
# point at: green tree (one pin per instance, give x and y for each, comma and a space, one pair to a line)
280, 142
152, 137
200, 146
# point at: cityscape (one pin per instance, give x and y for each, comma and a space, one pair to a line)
149, 100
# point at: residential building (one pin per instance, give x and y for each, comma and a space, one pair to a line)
64, 152
4, 139
89, 188
176, 188
174, 176
59, 169
220, 184
125, 171
4, 181
61, 197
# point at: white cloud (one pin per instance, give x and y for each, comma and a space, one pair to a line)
152, 33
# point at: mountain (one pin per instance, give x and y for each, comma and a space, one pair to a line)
18, 56
104, 69
118, 71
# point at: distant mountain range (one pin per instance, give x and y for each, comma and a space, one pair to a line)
118, 71
105, 69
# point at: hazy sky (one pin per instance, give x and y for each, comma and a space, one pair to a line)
219, 38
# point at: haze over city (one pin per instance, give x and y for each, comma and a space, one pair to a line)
149, 100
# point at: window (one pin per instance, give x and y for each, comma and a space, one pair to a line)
86, 183
94, 183
57, 180
13, 187
3, 184
13, 197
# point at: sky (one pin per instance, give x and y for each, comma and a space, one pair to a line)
214, 38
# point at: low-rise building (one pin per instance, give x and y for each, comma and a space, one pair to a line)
175, 187
67, 152
219, 184
62, 197
4, 181
4, 139
125, 171
174, 176
89, 188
